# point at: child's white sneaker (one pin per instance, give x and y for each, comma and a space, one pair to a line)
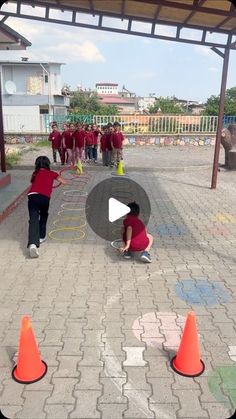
42, 240
33, 251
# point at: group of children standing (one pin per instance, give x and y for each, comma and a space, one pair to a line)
80, 142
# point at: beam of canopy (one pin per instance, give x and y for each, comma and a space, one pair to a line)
204, 16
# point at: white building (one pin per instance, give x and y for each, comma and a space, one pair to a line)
145, 102
107, 88
29, 90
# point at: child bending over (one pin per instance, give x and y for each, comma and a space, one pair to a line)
135, 236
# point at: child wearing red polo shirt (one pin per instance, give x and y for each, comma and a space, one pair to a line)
96, 134
68, 142
55, 138
88, 139
79, 142
38, 202
117, 139
104, 146
135, 237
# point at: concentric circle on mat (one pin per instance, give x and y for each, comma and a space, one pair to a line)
97, 204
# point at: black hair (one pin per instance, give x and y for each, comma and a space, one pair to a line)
134, 208
116, 124
42, 162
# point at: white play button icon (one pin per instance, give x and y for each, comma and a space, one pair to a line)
116, 210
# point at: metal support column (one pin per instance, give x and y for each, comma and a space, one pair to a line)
221, 112
2, 146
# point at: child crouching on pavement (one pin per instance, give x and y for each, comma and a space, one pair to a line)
135, 237
38, 202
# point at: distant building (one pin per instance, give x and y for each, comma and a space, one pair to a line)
12, 40
107, 88
192, 106
109, 95
144, 103
30, 89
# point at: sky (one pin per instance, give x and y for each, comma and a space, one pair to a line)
143, 65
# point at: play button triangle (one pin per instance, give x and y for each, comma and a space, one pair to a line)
116, 210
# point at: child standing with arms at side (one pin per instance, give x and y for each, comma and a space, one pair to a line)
103, 146
89, 140
38, 202
117, 144
96, 134
68, 142
79, 142
135, 237
55, 138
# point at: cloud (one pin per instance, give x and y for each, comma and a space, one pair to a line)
73, 51
145, 75
213, 69
200, 49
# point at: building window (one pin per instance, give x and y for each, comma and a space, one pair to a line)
46, 78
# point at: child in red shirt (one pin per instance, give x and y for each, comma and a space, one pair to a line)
79, 143
135, 237
68, 142
55, 138
38, 202
89, 140
96, 134
104, 146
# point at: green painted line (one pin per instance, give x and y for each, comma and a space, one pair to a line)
222, 384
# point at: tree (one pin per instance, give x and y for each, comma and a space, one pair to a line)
167, 105
87, 103
212, 104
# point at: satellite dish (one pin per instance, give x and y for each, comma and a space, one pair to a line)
10, 87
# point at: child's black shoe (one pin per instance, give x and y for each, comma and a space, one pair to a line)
127, 254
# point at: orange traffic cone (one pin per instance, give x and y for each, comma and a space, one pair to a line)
29, 368
187, 362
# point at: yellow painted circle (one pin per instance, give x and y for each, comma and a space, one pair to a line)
80, 232
66, 219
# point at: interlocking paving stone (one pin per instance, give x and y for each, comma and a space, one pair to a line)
88, 306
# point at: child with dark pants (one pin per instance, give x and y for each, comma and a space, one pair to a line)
56, 139
134, 235
38, 202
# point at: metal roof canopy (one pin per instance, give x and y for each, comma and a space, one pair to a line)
202, 17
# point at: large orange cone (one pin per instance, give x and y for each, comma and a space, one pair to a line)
29, 368
187, 362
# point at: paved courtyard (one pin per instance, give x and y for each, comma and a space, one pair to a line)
108, 327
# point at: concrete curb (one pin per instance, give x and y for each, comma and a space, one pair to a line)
7, 211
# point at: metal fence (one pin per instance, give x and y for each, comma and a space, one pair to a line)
131, 124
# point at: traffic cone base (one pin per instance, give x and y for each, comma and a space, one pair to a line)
196, 374
19, 380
